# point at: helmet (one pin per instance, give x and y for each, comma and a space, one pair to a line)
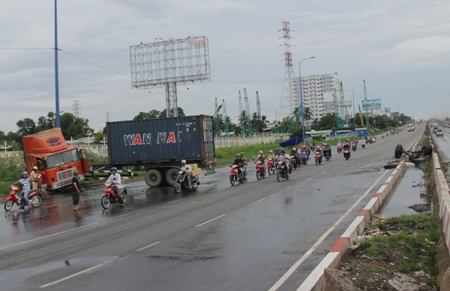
293, 149
283, 151
113, 169
242, 153
270, 151
25, 173
260, 152
318, 147
183, 161
35, 168
238, 155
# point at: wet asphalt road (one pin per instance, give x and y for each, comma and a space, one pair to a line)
245, 237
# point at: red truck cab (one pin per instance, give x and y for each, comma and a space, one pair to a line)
48, 151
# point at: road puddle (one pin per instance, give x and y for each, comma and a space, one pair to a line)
406, 193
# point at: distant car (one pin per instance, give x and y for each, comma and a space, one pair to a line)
439, 132
411, 128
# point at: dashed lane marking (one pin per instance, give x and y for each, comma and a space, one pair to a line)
149, 246
211, 220
73, 275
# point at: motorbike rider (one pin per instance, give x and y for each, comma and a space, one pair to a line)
363, 142
240, 163
284, 158
327, 149
319, 150
262, 159
295, 154
244, 161
339, 143
26, 184
116, 180
188, 171
271, 155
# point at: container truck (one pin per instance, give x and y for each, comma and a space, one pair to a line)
48, 151
157, 146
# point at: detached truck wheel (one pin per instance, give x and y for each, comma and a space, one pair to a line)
171, 176
153, 178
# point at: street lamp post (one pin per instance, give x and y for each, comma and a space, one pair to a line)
354, 114
58, 122
301, 96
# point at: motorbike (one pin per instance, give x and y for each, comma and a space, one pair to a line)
270, 166
339, 149
34, 196
110, 196
318, 158
346, 153
304, 157
354, 147
363, 145
181, 183
293, 162
235, 175
260, 174
327, 154
281, 172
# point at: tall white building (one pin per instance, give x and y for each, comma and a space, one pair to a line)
314, 87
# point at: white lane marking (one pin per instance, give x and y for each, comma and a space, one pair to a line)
308, 179
73, 275
288, 188
335, 168
260, 199
211, 220
174, 201
292, 269
324, 172
149, 246
47, 236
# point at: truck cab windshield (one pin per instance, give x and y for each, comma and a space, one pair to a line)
62, 158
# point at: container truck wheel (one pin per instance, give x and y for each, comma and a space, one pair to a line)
153, 178
171, 176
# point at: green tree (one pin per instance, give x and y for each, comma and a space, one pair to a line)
163, 113
74, 127
307, 114
26, 126
147, 115
328, 122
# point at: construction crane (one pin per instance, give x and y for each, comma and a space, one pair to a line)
258, 110
247, 108
241, 118
225, 120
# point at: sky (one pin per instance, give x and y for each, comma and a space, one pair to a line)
400, 48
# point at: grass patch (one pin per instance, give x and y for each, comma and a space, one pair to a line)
226, 156
409, 247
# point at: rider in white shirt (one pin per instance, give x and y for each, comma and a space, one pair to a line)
188, 170
116, 180
285, 158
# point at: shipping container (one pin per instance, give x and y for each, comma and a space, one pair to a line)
158, 145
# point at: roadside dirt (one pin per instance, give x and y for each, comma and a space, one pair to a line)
391, 255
